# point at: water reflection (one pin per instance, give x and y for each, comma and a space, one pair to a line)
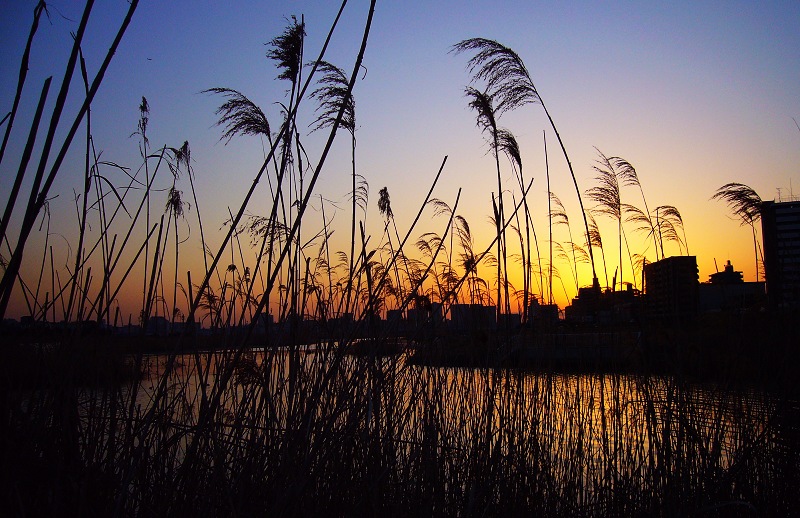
456, 437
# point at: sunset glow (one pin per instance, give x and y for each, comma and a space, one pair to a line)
399, 258
692, 96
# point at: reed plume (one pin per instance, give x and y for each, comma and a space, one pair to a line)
508, 80
509, 145
745, 203
607, 196
486, 119
742, 200
629, 177
238, 115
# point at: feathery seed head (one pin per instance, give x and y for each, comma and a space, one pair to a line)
287, 50
501, 69
384, 203
508, 144
332, 93
742, 200
482, 103
239, 115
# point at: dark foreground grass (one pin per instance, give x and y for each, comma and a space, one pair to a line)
325, 433
94, 424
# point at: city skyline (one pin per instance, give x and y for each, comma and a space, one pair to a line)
692, 96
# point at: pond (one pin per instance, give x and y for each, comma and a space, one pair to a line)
323, 431
319, 431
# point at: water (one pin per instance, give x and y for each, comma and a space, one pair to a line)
489, 438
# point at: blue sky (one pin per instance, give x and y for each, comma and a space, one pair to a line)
694, 94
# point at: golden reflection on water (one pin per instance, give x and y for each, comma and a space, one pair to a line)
585, 441
581, 426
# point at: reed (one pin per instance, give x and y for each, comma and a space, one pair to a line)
309, 414
507, 77
607, 197
745, 203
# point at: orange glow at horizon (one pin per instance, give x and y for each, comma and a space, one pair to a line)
693, 96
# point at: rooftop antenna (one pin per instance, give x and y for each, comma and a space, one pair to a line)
715, 265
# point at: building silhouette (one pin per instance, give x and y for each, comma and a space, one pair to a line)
780, 227
727, 291
597, 307
472, 317
727, 276
671, 289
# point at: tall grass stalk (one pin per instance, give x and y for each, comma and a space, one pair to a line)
39, 195
41, 7
25, 159
507, 78
247, 418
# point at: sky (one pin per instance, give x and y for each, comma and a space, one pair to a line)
693, 94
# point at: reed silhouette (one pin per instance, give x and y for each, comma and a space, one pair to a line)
271, 383
745, 203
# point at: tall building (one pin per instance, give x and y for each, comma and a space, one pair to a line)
472, 317
671, 288
780, 227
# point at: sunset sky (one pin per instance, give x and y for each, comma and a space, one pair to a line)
693, 94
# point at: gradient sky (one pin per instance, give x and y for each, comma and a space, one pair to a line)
693, 94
